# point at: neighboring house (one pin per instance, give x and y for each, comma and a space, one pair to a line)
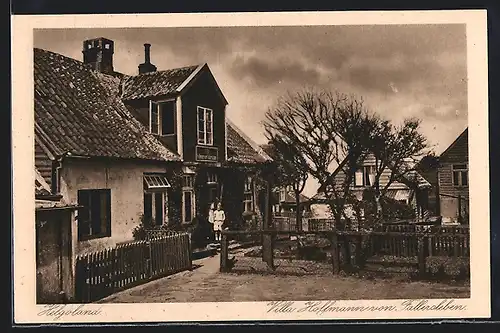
428, 168
411, 190
284, 202
153, 147
55, 221
453, 178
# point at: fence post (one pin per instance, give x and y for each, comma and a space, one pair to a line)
421, 256
335, 253
359, 251
456, 248
224, 253
149, 261
267, 249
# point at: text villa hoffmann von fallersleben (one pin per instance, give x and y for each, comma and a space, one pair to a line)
320, 307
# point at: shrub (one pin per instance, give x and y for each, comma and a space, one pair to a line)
448, 268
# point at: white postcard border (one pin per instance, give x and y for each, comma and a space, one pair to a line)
25, 309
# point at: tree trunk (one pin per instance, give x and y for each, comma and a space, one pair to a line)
378, 215
298, 212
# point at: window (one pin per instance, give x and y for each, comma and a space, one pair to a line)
94, 217
248, 184
205, 126
282, 195
364, 176
248, 195
154, 203
154, 118
212, 178
460, 175
248, 202
162, 118
187, 181
188, 206
155, 198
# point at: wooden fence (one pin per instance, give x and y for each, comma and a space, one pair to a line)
105, 272
356, 247
321, 224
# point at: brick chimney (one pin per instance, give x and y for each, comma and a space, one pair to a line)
98, 53
147, 66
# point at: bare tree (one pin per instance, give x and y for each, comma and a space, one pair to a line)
291, 170
397, 149
328, 129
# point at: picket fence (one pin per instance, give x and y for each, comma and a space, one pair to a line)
100, 274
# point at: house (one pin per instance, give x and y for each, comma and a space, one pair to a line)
154, 148
55, 221
284, 202
411, 190
453, 178
428, 168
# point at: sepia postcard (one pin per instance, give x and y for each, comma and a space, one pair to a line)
250, 166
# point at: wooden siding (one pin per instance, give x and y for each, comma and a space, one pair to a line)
203, 93
43, 163
457, 153
384, 178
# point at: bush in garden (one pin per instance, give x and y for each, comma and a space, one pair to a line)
440, 268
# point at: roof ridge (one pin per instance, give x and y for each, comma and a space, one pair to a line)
166, 70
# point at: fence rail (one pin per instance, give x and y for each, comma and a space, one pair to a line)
102, 273
347, 249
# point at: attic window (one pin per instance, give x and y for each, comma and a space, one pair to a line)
156, 182
162, 117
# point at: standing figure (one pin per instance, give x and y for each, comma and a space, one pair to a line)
211, 214
219, 218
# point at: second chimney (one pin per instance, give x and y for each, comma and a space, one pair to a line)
147, 66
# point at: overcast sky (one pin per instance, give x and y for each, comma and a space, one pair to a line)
400, 71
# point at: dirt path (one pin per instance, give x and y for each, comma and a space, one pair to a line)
206, 284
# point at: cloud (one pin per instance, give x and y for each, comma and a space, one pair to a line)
266, 72
399, 70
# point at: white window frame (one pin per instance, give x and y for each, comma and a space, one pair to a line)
158, 116
460, 171
164, 195
150, 119
249, 201
212, 178
208, 136
248, 192
364, 175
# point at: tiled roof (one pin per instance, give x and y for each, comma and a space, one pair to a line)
160, 83
290, 197
241, 149
79, 111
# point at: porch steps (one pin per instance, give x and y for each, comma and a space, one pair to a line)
388, 266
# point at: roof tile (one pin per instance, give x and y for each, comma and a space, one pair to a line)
160, 83
80, 111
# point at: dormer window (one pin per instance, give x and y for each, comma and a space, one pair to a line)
205, 126
162, 117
